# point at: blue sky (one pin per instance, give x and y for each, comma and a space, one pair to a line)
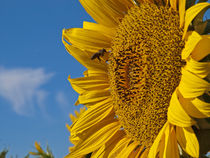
35, 96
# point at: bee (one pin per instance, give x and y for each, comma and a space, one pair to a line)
99, 54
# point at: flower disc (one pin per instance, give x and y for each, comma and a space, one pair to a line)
145, 68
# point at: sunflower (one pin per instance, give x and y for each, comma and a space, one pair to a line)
74, 139
147, 78
41, 153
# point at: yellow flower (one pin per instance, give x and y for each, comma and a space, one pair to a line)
74, 139
146, 78
41, 153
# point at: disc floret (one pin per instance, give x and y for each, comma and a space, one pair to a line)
145, 68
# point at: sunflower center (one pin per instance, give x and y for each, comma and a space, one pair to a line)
144, 69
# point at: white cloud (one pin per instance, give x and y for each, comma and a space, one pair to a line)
62, 100
22, 88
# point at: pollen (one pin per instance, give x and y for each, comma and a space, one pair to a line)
145, 69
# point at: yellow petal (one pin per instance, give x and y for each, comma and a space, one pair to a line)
73, 118
93, 96
188, 140
100, 13
171, 146
104, 101
74, 139
108, 147
203, 107
122, 144
114, 8
87, 39
202, 49
201, 69
198, 110
122, 5
107, 31
182, 4
76, 113
95, 72
95, 140
38, 148
68, 127
107, 12
174, 4
84, 58
33, 153
156, 145
77, 88
191, 43
92, 116
177, 115
161, 146
126, 151
145, 153
192, 86
82, 110
83, 84
136, 153
191, 14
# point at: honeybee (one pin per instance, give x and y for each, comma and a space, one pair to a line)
99, 54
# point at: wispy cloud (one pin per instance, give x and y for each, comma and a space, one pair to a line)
22, 87
62, 101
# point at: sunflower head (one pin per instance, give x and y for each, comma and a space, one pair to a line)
145, 65
145, 80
